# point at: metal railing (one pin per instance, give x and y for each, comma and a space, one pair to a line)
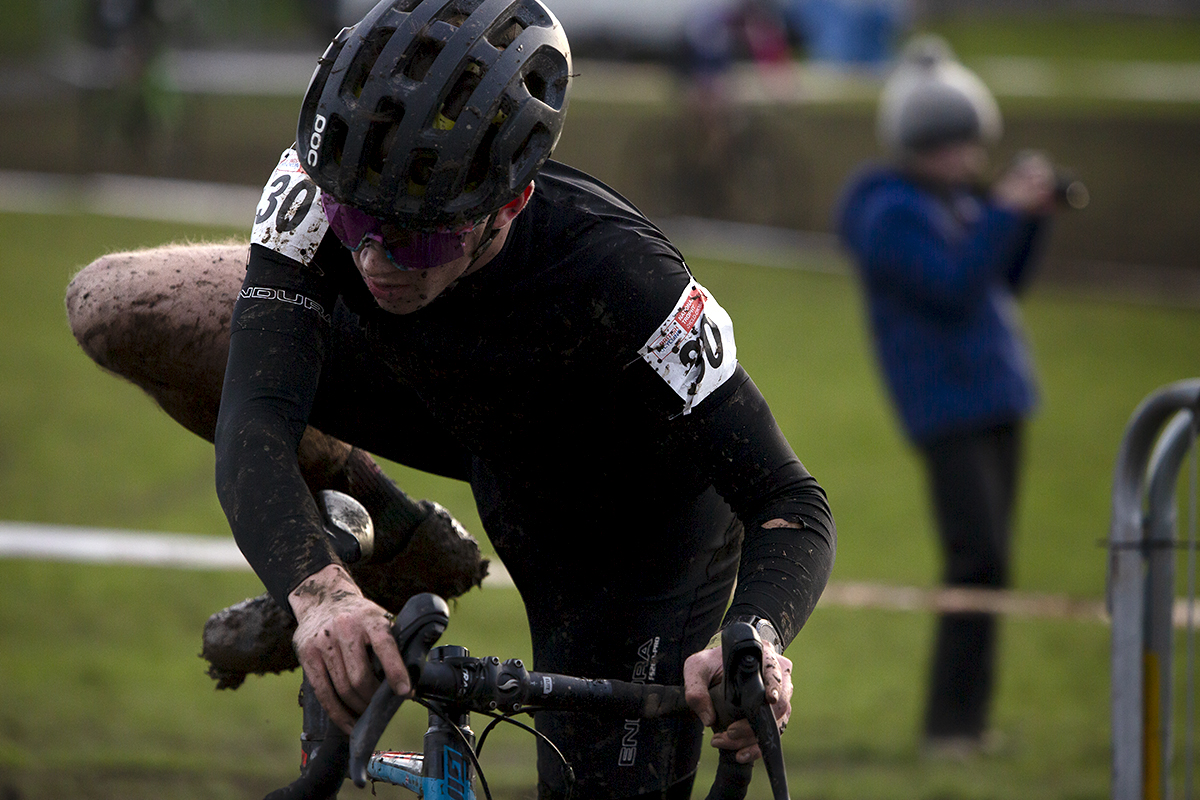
1143, 546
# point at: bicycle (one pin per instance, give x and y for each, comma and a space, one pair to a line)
452, 685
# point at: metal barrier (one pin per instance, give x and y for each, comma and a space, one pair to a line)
1141, 589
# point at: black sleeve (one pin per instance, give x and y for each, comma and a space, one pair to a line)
280, 331
783, 570
732, 439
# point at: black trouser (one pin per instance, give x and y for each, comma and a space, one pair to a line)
973, 479
599, 607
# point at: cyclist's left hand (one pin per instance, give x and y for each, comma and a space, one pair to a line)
703, 669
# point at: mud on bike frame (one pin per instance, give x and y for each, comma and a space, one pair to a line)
452, 684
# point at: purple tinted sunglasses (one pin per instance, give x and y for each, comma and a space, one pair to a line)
407, 250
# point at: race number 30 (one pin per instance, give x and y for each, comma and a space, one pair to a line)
693, 348
288, 219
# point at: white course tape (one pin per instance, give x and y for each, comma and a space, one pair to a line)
104, 546
184, 551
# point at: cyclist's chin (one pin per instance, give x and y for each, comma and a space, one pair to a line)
405, 296
404, 303
404, 291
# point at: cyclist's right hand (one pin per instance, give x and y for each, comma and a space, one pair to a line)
336, 632
703, 670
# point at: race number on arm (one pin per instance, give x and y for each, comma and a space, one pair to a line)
289, 218
693, 349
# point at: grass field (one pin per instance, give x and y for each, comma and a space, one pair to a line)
102, 694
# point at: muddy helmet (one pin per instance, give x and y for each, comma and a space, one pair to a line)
931, 99
436, 113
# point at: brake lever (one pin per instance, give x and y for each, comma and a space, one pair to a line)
745, 696
416, 630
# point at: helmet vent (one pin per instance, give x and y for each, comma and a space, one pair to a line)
477, 172
419, 61
381, 137
364, 61
546, 79
536, 84
457, 98
335, 139
420, 170
505, 34
539, 140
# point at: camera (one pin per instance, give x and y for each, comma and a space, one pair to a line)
1069, 190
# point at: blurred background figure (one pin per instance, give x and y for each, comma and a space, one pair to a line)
130, 106
941, 258
853, 33
717, 142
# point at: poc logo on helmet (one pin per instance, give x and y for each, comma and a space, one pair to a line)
314, 141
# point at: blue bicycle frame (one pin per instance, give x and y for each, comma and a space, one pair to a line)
443, 772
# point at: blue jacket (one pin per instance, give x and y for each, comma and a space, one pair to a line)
940, 274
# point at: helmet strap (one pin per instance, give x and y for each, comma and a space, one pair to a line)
487, 239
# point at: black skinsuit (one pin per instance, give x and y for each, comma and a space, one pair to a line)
619, 515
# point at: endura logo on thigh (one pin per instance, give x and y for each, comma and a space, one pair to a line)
629, 743
643, 671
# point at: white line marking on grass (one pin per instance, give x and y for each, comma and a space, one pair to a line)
32, 540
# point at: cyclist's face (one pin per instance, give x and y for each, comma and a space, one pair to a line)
409, 250
403, 291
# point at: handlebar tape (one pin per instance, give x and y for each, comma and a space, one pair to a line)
644, 701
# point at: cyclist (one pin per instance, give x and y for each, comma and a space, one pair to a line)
424, 284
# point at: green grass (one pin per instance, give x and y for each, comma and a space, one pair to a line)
102, 693
1063, 36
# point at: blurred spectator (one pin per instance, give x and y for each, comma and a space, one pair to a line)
130, 103
941, 259
717, 134
849, 32
721, 32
